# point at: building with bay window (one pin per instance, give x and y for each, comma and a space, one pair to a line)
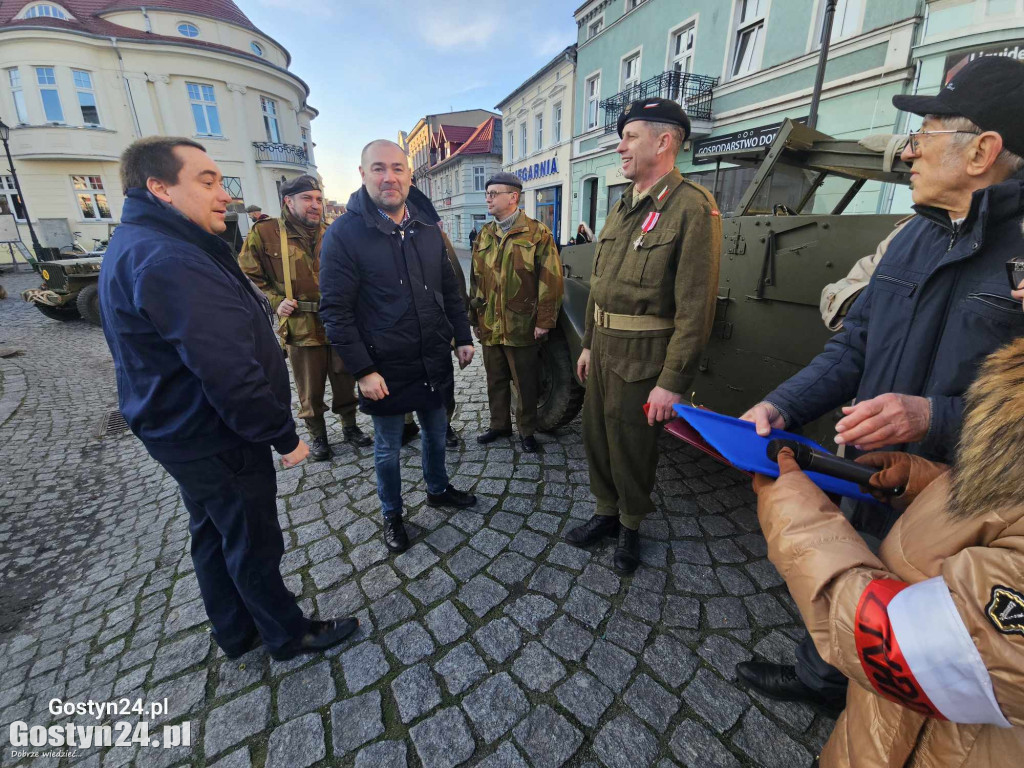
82, 79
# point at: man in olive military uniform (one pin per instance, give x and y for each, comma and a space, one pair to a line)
652, 304
297, 307
516, 294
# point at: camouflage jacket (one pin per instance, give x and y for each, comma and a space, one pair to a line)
516, 282
261, 261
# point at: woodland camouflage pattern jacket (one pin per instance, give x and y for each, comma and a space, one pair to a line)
516, 283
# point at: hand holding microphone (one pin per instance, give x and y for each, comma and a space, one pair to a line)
826, 464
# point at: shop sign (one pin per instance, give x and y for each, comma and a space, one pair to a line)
714, 148
956, 61
538, 170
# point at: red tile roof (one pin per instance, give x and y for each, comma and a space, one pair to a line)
456, 134
481, 142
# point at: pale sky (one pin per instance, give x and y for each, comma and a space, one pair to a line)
375, 68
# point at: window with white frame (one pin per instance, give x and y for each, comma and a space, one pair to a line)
845, 23
478, 178
749, 36
633, 4
538, 132
52, 109
680, 49
86, 97
92, 200
522, 139
304, 135
592, 95
630, 71
269, 107
595, 27
51, 11
17, 94
511, 143
556, 123
10, 201
204, 109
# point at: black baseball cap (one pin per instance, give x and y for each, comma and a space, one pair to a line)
655, 111
988, 91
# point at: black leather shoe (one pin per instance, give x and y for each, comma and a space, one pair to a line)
320, 449
780, 681
251, 641
452, 497
491, 435
409, 432
356, 436
395, 537
320, 636
627, 553
451, 440
596, 528
529, 444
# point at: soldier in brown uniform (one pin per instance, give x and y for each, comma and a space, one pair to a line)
652, 304
313, 360
516, 295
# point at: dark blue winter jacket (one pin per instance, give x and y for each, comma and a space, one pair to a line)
389, 300
938, 303
199, 369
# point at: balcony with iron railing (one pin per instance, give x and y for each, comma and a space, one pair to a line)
694, 92
280, 154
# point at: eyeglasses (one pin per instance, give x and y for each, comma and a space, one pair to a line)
914, 140
491, 195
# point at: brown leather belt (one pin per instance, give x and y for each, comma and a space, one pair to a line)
615, 322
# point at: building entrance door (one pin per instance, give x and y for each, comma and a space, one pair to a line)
549, 210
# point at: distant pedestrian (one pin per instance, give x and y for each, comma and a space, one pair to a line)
256, 213
472, 237
390, 304
583, 234
202, 383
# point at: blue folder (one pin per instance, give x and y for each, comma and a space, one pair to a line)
741, 446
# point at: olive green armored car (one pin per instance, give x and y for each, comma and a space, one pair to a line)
776, 260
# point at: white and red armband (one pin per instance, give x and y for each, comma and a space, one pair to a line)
915, 650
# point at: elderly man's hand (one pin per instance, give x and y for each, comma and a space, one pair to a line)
787, 464
898, 470
766, 417
661, 402
888, 419
373, 387
1019, 293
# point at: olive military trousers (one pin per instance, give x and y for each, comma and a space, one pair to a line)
507, 365
312, 368
621, 448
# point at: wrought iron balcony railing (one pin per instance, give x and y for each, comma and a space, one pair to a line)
694, 92
271, 152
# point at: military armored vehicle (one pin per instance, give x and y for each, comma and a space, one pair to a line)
70, 288
775, 263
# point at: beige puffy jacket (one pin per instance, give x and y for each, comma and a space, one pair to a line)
931, 631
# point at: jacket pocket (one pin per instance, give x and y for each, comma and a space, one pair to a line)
999, 309
634, 358
601, 253
897, 285
652, 258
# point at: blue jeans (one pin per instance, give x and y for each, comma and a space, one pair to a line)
387, 442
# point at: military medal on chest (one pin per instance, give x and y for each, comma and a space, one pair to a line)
648, 225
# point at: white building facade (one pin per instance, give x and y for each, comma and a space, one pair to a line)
78, 85
537, 146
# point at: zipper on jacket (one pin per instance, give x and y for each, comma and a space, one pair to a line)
953, 237
1010, 308
906, 283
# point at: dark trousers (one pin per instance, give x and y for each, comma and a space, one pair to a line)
507, 365
312, 367
237, 545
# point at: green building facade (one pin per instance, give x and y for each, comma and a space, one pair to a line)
740, 67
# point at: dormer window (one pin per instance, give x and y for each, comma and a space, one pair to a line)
256, 48
46, 10
188, 30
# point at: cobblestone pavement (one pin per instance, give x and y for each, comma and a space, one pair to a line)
490, 642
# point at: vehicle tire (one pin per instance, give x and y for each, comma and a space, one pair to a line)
68, 312
88, 303
561, 396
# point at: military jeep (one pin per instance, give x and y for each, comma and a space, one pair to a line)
775, 263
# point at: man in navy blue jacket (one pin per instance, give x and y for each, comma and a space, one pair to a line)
202, 382
390, 302
938, 303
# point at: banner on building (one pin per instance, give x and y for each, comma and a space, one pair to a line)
956, 61
751, 140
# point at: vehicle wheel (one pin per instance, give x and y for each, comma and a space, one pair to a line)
561, 396
88, 303
67, 312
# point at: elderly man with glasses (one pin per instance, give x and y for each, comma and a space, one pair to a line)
938, 303
515, 296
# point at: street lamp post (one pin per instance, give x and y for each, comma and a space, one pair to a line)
5, 134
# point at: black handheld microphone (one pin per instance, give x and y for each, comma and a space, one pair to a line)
823, 463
